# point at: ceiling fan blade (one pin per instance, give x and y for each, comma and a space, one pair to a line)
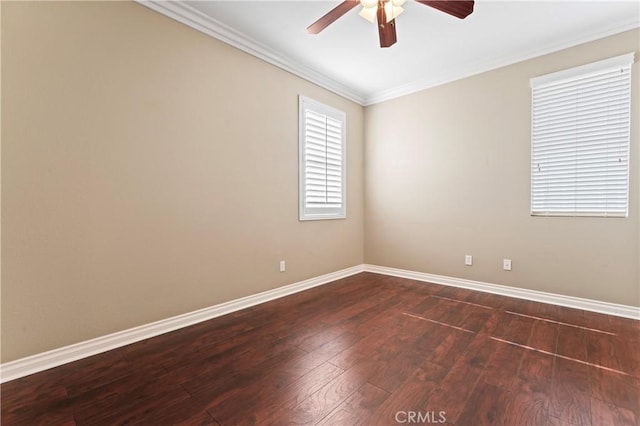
386, 30
459, 9
330, 17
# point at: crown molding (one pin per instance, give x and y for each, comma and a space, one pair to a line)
193, 18
197, 20
478, 68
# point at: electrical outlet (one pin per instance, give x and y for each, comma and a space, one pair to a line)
283, 266
506, 264
468, 259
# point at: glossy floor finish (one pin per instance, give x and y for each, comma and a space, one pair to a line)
368, 349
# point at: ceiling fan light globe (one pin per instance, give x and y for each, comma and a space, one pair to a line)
388, 11
369, 3
391, 11
398, 2
369, 13
396, 11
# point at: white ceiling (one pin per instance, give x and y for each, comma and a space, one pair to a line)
432, 48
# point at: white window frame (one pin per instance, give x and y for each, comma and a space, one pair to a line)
330, 210
580, 156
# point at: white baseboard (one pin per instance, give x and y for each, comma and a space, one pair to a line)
53, 358
520, 293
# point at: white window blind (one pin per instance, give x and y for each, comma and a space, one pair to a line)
322, 161
580, 140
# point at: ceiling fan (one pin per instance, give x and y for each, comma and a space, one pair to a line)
385, 11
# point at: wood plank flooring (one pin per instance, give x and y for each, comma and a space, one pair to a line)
364, 350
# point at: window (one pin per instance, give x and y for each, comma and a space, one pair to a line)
322, 161
580, 140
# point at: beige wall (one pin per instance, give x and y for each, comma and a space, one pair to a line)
148, 170
451, 177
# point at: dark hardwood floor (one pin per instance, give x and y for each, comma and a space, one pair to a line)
368, 349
